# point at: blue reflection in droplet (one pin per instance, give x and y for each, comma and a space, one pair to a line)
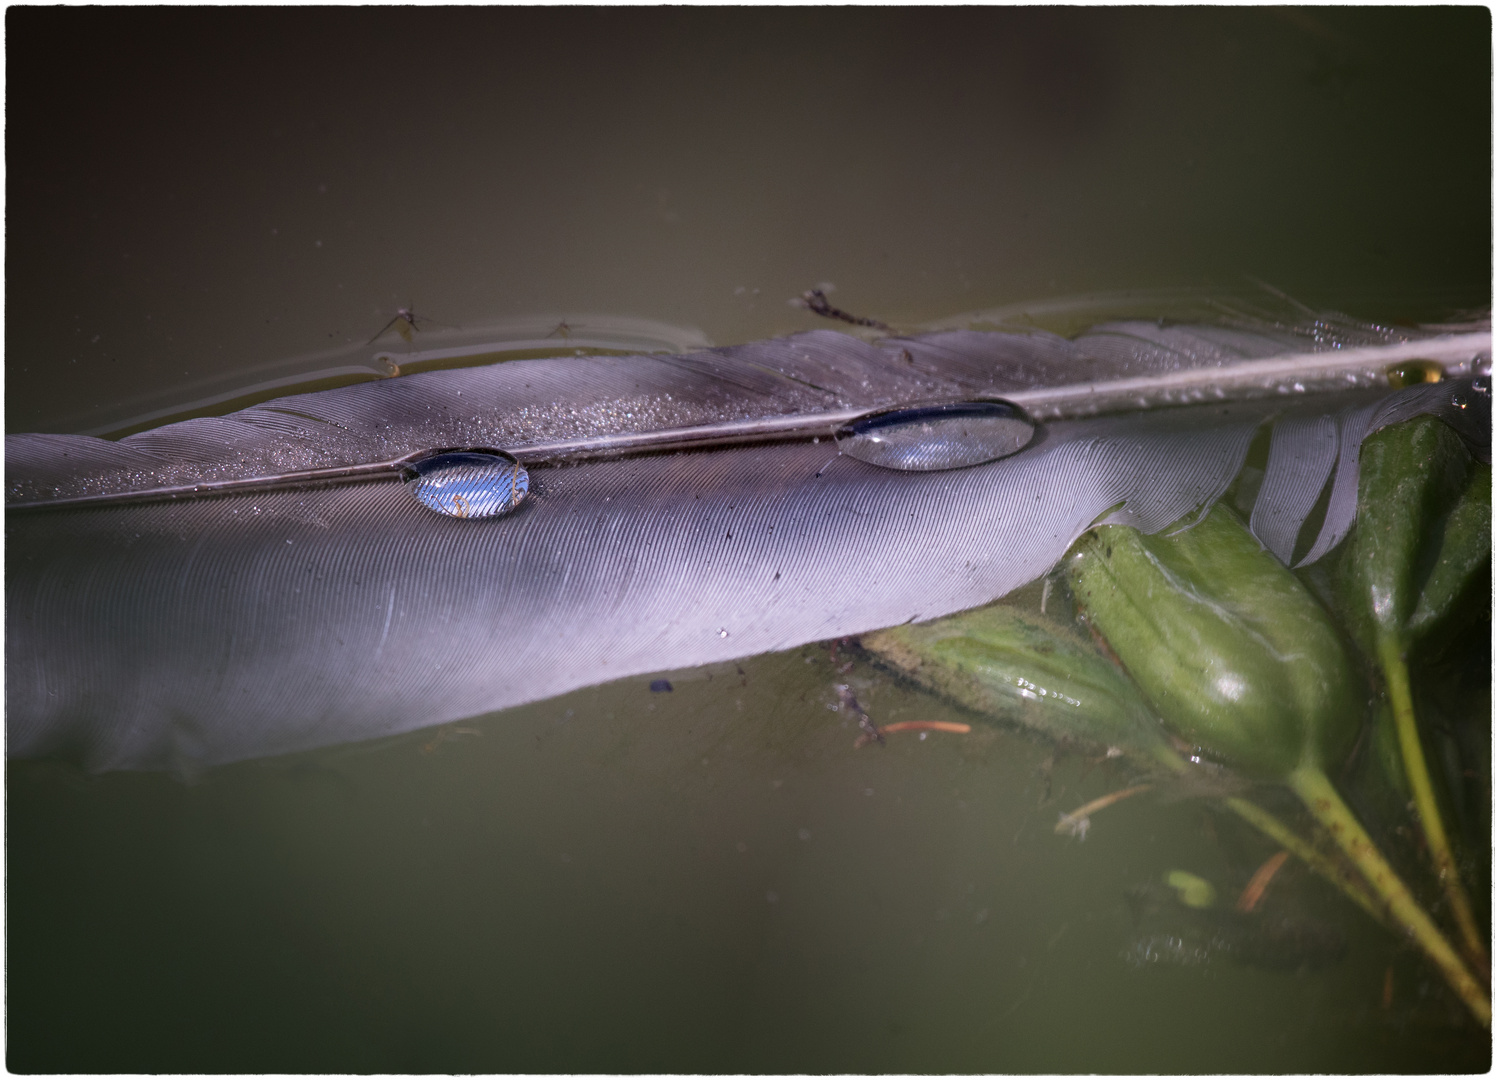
469, 483
932, 437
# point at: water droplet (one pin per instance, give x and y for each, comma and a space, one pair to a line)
469, 483
933, 437
1414, 372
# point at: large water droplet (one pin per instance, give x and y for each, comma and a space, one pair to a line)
469, 483
932, 437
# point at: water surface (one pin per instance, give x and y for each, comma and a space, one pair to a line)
709, 879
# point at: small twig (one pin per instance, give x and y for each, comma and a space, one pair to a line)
1259, 883
927, 725
817, 303
402, 315
1078, 821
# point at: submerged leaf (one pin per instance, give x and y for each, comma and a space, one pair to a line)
1455, 587
1413, 476
1418, 522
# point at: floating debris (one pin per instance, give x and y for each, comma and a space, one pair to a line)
1078, 821
1072, 825
661, 686
1253, 893
404, 322
469, 484
842, 669
927, 725
1195, 892
816, 302
871, 732
446, 734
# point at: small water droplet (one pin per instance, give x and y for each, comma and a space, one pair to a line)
469, 484
722, 633
929, 438
1414, 372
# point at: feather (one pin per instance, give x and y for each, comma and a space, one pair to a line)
153, 634
577, 401
1301, 455
258, 624
1306, 449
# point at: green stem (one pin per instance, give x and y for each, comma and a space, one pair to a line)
1334, 871
1397, 673
1314, 787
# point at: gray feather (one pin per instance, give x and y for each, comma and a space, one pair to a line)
524, 402
1341, 510
251, 625
1305, 449
1300, 459
139, 636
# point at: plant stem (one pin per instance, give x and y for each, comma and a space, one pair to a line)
1333, 870
1338, 874
1396, 670
1314, 787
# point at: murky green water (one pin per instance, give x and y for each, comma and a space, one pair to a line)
711, 879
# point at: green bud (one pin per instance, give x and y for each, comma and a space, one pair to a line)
1025, 669
1233, 652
